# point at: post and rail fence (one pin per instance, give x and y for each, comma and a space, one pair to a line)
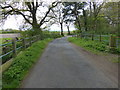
11, 49
111, 40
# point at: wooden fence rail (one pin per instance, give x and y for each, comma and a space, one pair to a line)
112, 41
25, 42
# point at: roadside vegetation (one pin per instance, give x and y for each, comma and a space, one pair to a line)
22, 63
26, 57
94, 46
99, 18
7, 45
98, 21
5, 40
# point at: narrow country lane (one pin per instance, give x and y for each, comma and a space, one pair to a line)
62, 66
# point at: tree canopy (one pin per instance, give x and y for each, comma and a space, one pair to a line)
30, 11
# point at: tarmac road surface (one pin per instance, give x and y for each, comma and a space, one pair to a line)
62, 66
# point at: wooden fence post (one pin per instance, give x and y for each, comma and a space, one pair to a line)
14, 47
24, 43
37, 37
30, 41
81, 35
100, 38
112, 41
92, 37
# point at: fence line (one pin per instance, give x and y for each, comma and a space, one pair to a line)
102, 38
22, 44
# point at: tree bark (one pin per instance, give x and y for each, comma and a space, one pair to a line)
68, 30
85, 19
61, 24
119, 19
76, 16
37, 30
90, 24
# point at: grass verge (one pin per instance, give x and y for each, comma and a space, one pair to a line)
13, 76
98, 48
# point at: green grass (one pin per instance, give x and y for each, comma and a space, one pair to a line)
116, 60
8, 48
5, 40
93, 46
104, 39
22, 63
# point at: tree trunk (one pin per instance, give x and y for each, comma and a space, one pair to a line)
76, 16
119, 19
61, 24
78, 22
68, 30
37, 30
85, 19
90, 24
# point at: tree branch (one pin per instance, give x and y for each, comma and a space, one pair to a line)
23, 16
48, 19
29, 6
42, 21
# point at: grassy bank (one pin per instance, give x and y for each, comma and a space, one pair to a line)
22, 63
93, 46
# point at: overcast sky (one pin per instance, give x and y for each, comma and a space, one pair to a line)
13, 23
